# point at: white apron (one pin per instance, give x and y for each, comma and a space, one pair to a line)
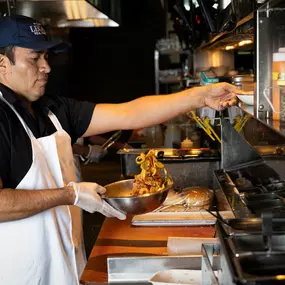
47, 248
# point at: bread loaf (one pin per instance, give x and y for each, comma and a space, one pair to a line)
194, 198
198, 197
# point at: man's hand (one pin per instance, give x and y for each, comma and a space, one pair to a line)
220, 95
87, 197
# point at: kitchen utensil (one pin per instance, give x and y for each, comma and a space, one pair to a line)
118, 195
111, 140
254, 225
219, 217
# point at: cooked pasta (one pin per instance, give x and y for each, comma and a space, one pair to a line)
153, 176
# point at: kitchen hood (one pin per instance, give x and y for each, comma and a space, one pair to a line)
61, 13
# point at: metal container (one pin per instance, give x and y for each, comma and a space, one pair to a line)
261, 266
244, 82
118, 195
124, 270
255, 242
248, 261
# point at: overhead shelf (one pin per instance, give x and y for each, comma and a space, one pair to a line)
244, 30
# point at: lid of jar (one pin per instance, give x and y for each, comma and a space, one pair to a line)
280, 55
243, 78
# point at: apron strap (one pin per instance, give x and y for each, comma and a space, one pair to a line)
51, 115
25, 126
55, 121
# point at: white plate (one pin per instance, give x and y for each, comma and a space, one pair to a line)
177, 277
247, 99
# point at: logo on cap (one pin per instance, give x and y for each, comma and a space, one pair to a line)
37, 29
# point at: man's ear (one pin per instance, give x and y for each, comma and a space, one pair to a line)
3, 64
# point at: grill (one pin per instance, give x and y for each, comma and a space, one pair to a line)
252, 244
253, 189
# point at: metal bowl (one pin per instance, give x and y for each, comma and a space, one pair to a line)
118, 195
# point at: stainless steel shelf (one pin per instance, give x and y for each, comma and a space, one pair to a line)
278, 126
167, 78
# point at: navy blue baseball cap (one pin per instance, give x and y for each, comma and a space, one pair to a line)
22, 31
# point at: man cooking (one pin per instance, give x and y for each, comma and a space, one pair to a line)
40, 202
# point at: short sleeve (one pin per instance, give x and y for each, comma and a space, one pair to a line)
79, 115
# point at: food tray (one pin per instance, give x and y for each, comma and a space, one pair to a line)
201, 218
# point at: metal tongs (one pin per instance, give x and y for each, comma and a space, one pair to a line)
218, 216
205, 125
241, 121
111, 140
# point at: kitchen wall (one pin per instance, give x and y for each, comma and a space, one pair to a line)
112, 64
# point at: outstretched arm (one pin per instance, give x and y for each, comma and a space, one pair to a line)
150, 110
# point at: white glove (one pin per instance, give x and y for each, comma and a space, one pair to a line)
95, 154
87, 198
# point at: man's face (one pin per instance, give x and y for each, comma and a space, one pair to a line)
28, 75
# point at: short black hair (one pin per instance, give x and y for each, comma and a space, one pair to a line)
9, 52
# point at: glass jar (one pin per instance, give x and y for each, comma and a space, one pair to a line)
154, 136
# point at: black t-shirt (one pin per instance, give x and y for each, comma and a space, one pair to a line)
15, 145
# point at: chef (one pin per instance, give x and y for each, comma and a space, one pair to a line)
40, 201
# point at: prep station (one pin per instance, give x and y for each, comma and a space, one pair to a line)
241, 240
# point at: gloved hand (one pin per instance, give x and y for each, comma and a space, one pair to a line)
95, 154
87, 198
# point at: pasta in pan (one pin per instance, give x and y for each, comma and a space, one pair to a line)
153, 176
